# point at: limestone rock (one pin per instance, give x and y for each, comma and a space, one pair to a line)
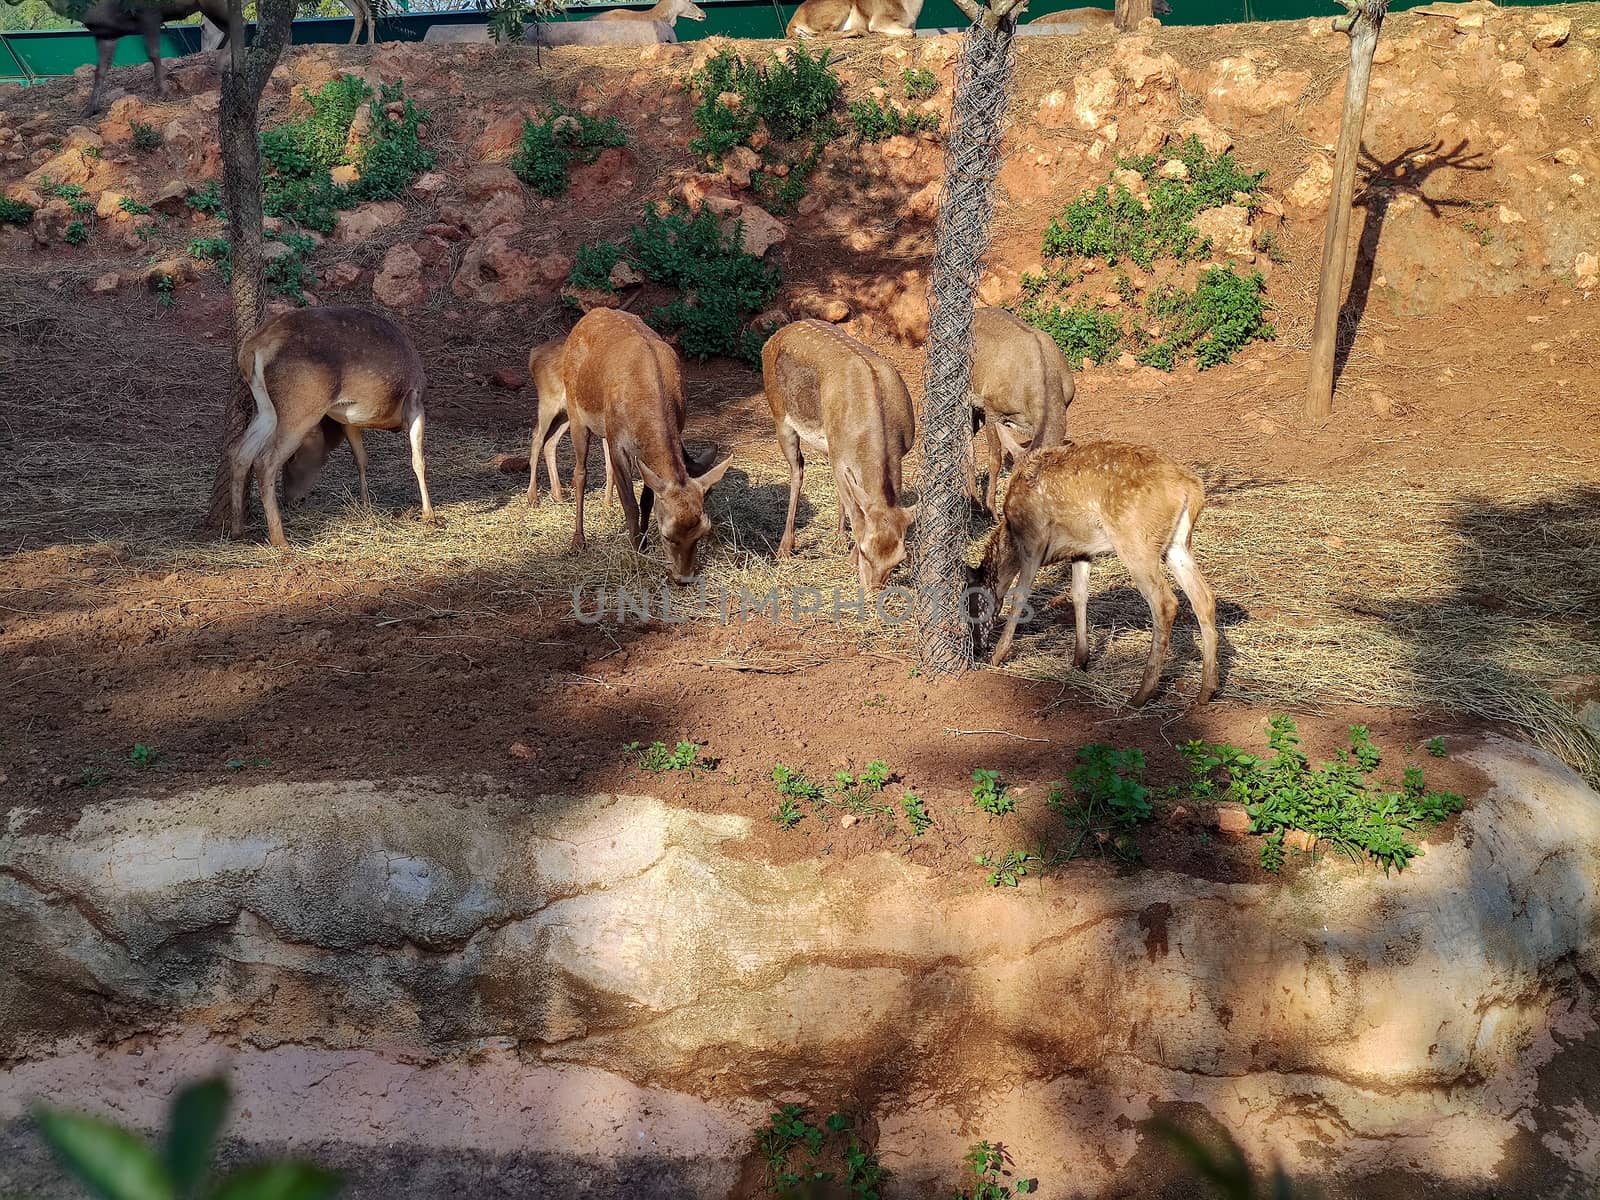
1228, 227
358, 224
399, 283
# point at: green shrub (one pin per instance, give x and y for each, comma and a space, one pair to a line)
145, 137
287, 274
920, 82
795, 99
75, 234
718, 285
1224, 313
208, 200
1335, 800
15, 212
992, 1166
1081, 332
550, 146
874, 121
799, 1156
133, 208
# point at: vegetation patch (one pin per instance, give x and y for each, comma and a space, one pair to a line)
718, 287
991, 794
995, 1176
658, 758
207, 201
1144, 216
1105, 800
145, 137
286, 271
550, 146
15, 212
298, 157
804, 1159
1338, 801
783, 110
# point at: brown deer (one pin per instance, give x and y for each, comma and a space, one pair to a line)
831, 394
895, 18
623, 384
668, 12
544, 368
1021, 387
1076, 20
319, 375
1075, 503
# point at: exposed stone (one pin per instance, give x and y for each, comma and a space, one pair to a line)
117, 126
1215, 141
697, 188
173, 198
500, 139
514, 464
429, 185
1586, 270
1313, 187
358, 224
512, 379
502, 208
1237, 94
50, 221
1228, 227
109, 206
1094, 99
622, 275
109, 282
399, 282
342, 276
760, 230
482, 183
737, 165
68, 166
823, 308
1552, 34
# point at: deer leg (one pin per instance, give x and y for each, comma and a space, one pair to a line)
544, 443
1204, 603
1080, 613
257, 434
991, 437
631, 512
359, 449
612, 486
1031, 561
789, 442
267, 468
580, 472
415, 423
1153, 586
105, 48
152, 49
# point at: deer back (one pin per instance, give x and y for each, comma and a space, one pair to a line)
1020, 375
348, 363
624, 383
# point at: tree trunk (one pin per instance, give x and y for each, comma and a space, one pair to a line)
238, 118
1130, 12
972, 160
1362, 25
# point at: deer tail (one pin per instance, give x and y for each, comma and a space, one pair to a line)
1194, 502
265, 421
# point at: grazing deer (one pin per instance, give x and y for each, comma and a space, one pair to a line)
895, 18
1021, 387
592, 32
317, 375
668, 12
1075, 503
1076, 20
111, 20
623, 384
831, 394
544, 368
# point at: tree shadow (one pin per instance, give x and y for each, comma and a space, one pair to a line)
1384, 179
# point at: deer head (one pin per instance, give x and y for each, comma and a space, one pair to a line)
681, 516
687, 8
881, 544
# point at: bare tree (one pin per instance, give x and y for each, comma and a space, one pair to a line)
1362, 22
972, 160
244, 78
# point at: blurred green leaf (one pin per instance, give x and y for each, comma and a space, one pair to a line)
279, 1181
198, 1113
112, 1163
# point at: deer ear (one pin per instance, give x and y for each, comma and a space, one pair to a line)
848, 478
651, 480
910, 511
714, 476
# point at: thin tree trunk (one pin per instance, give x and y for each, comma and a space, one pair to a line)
972, 160
238, 120
1362, 25
1129, 13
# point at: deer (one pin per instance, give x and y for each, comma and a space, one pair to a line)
319, 375
851, 18
1021, 388
1075, 503
592, 32
1076, 20
111, 20
624, 384
667, 12
544, 368
830, 394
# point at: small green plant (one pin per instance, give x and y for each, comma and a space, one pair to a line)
1337, 801
801, 1155
1080, 331
287, 273
1269, 245
859, 794
1224, 313
920, 82
794, 785
145, 137
164, 286
92, 777
115, 1164
1010, 868
917, 813
658, 759
15, 212
550, 146
875, 121
75, 234
1435, 747
210, 249
208, 200
718, 286
1108, 799
77, 199
794, 99
143, 756
132, 207
991, 794
992, 1166
789, 813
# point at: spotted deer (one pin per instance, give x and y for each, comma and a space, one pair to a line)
623, 384
551, 424
1074, 503
1021, 388
319, 375
830, 394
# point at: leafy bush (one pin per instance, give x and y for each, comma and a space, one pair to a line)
1335, 800
1008, 869
1224, 313
298, 156
875, 121
800, 1156
718, 285
1081, 332
795, 99
991, 794
115, 1164
15, 212
145, 137
286, 273
132, 207
208, 200
920, 82
1107, 800
550, 146
992, 1166
75, 234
